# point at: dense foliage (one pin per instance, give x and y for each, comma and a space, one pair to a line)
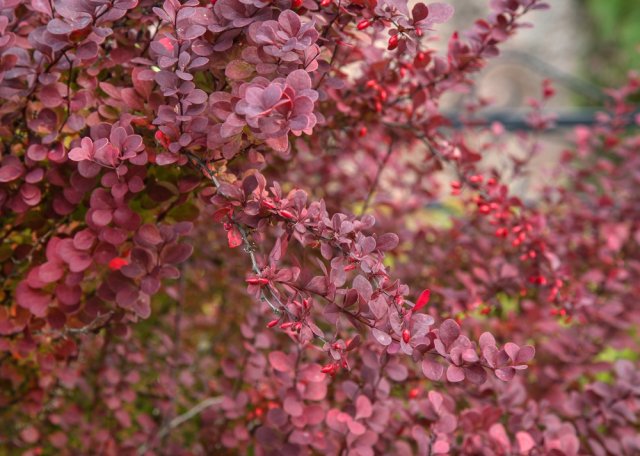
246, 227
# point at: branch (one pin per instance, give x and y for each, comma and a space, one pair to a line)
178, 420
376, 180
248, 246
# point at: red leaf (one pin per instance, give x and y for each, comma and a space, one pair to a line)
422, 300
116, 263
35, 301
234, 237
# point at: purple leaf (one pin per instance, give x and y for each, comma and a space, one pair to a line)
432, 369
440, 12
176, 253
419, 12
525, 354
505, 373
382, 337
449, 332
388, 241
149, 234
363, 287
475, 374
455, 374
238, 69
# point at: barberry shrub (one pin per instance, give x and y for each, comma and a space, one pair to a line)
247, 227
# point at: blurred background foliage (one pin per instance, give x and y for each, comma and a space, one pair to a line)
614, 27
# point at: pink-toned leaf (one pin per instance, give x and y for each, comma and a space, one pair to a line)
499, 435
441, 447
35, 301
487, 340
10, 173
363, 407
440, 12
280, 361
50, 272
356, 428
293, 406
512, 350
525, 442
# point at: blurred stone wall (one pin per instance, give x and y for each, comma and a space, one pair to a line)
552, 48
555, 44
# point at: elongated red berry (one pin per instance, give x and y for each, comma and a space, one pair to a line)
257, 281
363, 24
286, 214
393, 42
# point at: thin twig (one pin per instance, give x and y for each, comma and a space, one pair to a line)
176, 348
68, 106
248, 246
178, 420
376, 180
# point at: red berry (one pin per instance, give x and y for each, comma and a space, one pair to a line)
267, 204
257, 281
286, 214
363, 24
393, 42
